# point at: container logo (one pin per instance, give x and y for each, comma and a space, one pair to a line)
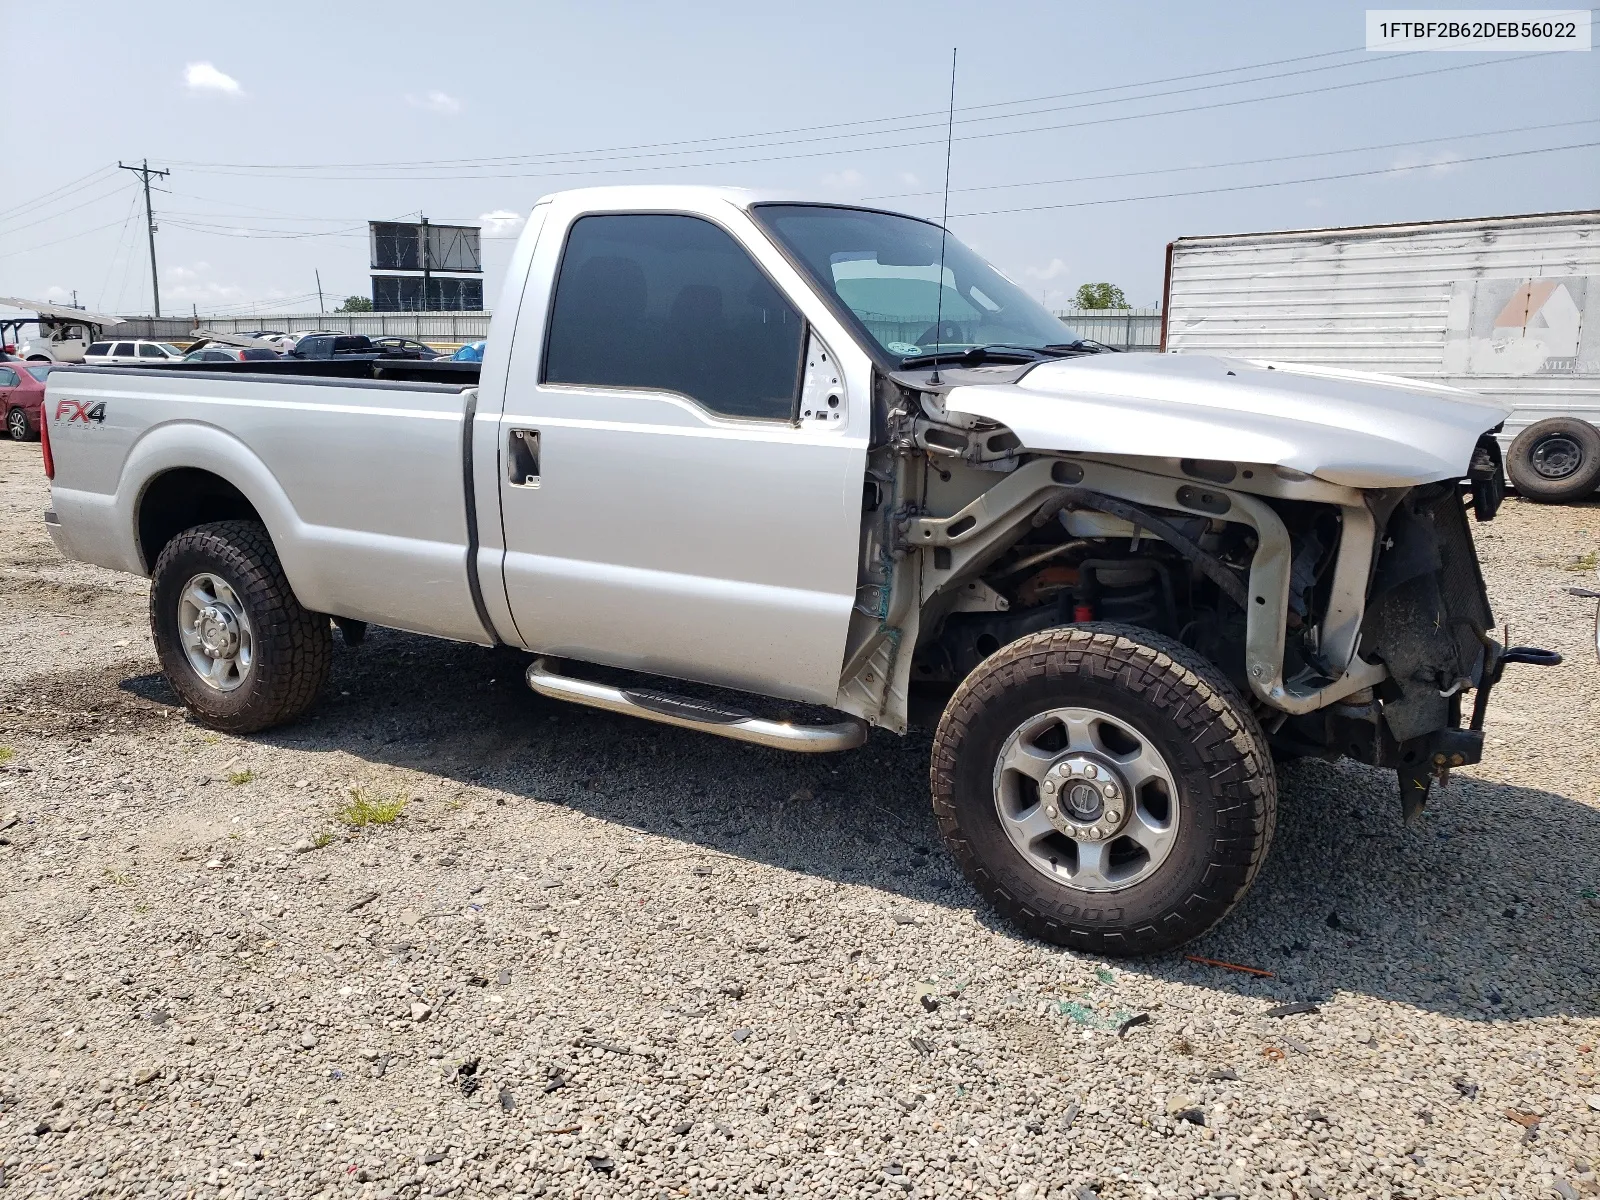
1523, 327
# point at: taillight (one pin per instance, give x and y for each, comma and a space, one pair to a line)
44, 441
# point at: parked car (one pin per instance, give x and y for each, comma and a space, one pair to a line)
131, 352
345, 346
712, 455
219, 353
409, 347
21, 395
471, 352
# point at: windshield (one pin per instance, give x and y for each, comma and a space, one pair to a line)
885, 268
39, 373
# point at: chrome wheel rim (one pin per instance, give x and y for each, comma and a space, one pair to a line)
215, 632
1557, 456
1087, 799
17, 423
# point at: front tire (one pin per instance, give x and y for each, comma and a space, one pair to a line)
233, 640
1104, 788
1556, 460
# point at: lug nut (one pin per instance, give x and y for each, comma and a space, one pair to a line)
1111, 789
1113, 815
1049, 785
1050, 811
1091, 772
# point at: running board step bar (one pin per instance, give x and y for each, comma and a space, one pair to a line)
697, 714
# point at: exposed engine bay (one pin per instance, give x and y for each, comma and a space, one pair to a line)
1355, 620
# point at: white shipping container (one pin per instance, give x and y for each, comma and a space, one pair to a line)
1505, 306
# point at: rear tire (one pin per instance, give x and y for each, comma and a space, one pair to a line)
219, 599
17, 427
1556, 460
1192, 819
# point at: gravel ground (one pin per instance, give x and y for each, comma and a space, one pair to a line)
594, 957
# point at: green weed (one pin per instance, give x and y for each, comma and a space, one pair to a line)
370, 808
240, 778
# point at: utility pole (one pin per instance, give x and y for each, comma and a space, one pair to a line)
321, 308
144, 172
427, 262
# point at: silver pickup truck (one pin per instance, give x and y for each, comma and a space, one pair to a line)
827, 455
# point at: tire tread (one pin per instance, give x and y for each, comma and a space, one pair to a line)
1198, 698
295, 645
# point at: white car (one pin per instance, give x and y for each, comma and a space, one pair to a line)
131, 352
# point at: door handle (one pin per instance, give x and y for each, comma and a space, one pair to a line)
522, 458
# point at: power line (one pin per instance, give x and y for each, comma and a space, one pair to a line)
613, 150
116, 191
1106, 120
111, 263
1248, 187
70, 237
1245, 162
84, 181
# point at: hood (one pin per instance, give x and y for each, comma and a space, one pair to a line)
1346, 427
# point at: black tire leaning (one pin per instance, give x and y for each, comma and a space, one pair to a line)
1576, 484
1190, 712
293, 648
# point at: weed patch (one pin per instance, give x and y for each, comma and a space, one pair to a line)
365, 808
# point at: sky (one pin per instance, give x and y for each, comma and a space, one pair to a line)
1086, 137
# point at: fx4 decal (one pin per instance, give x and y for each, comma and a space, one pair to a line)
77, 410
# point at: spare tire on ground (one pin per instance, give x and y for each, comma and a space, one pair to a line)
1556, 460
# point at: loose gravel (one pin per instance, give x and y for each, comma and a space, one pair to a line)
572, 955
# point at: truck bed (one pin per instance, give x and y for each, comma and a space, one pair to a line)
360, 470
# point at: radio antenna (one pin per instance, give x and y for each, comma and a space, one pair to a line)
949, 130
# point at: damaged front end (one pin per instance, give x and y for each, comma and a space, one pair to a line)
1429, 623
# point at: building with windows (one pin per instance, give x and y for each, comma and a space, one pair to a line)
423, 267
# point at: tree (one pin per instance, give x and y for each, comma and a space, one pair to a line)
1100, 295
362, 304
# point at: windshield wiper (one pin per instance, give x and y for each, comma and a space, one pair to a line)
1084, 346
977, 355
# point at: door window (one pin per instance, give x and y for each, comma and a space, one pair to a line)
99, 348
8, 377
146, 350
673, 303
123, 350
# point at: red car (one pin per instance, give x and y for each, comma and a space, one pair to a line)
22, 397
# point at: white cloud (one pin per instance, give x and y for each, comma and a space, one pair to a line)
502, 222
1054, 269
908, 178
191, 285
203, 77
437, 102
848, 180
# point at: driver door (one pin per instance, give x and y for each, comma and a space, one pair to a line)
666, 507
